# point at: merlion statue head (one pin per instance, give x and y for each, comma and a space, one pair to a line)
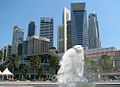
78, 48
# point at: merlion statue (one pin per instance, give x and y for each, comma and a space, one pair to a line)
72, 66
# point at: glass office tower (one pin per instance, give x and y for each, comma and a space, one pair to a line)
31, 29
47, 28
18, 36
79, 31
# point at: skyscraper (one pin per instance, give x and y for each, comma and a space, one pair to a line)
79, 31
66, 18
69, 44
31, 29
93, 32
6, 53
18, 36
47, 28
60, 39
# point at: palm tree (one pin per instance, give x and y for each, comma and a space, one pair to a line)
14, 62
2, 67
41, 71
54, 63
35, 62
23, 70
106, 62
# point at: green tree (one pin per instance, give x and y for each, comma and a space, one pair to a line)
14, 62
105, 62
41, 72
23, 71
91, 65
35, 63
2, 67
54, 63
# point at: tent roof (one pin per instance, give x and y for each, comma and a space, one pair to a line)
7, 72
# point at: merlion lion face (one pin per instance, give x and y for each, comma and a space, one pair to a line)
77, 48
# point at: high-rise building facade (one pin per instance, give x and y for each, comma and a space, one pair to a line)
37, 45
18, 36
93, 32
60, 39
31, 29
25, 47
69, 42
79, 31
6, 53
65, 19
47, 28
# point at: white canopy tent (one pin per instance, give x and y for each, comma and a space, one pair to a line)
6, 72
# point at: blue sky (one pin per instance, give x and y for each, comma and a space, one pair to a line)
21, 12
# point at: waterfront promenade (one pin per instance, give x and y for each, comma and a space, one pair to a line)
49, 84
27, 84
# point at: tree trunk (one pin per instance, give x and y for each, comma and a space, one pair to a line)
22, 77
34, 74
39, 77
13, 70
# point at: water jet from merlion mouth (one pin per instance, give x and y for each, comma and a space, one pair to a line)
71, 69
